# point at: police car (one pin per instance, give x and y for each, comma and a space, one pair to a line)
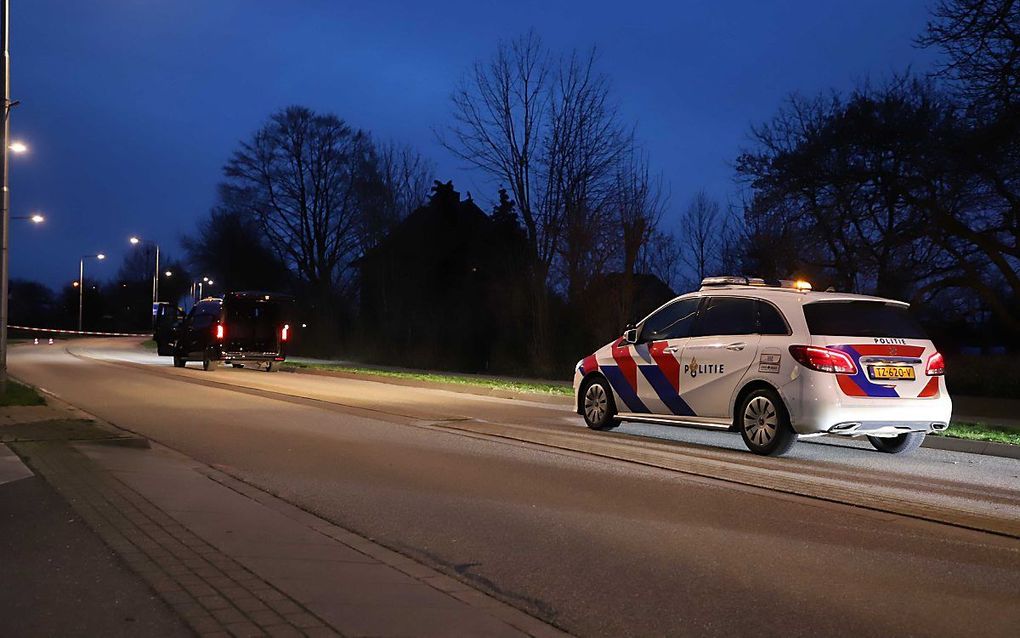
775, 363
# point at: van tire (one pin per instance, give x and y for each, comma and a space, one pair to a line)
902, 444
179, 362
209, 364
272, 366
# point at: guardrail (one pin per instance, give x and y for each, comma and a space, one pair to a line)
88, 333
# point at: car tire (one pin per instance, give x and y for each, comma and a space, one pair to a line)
902, 444
272, 366
209, 364
597, 405
179, 362
237, 365
764, 423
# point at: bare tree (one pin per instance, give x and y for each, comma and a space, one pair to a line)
587, 151
547, 128
394, 180
981, 40
299, 177
701, 235
407, 175
500, 111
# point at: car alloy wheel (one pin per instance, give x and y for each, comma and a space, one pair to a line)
761, 420
596, 403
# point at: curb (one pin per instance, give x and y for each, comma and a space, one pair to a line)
985, 448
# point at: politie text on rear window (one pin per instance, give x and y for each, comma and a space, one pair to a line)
861, 319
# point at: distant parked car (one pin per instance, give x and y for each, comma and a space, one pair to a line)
774, 363
239, 328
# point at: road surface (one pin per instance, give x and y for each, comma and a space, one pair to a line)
644, 531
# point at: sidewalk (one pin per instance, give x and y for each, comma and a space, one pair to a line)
232, 560
58, 578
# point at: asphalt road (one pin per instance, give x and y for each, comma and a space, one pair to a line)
652, 531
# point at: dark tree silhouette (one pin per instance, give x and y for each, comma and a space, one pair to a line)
981, 42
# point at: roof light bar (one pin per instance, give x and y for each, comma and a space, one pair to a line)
727, 280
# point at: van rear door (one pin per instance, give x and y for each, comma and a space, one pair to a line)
252, 325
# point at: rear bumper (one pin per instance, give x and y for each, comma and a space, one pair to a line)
252, 356
818, 406
885, 429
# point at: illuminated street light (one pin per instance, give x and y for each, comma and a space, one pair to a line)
135, 240
74, 284
80, 284
18, 147
35, 218
168, 274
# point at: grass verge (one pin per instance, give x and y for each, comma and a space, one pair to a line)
149, 344
509, 385
983, 432
18, 394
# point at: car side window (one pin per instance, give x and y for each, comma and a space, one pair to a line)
202, 321
672, 322
726, 316
770, 320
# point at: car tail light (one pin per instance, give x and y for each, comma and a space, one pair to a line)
936, 365
221, 331
285, 333
823, 359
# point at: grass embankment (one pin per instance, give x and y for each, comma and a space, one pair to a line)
491, 383
149, 344
18, 394
983, 432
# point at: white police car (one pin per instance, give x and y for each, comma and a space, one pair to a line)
774, 363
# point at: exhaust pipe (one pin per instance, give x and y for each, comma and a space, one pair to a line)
844, 428
939, 427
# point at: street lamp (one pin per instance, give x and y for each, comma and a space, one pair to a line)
81, 284
18, 148
35, 218
168, 274
197, 285
155, 273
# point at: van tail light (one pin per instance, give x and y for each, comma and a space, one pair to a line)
823, 359
221, 332
936, 365
285, 332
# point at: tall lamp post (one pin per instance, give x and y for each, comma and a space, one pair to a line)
135, 241
5, 198
81, 284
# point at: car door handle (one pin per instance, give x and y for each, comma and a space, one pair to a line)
736, 346
671, 349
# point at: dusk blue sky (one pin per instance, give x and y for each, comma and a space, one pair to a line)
131, 107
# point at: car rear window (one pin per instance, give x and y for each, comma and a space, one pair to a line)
861, 319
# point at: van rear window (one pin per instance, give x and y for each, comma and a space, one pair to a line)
861, 319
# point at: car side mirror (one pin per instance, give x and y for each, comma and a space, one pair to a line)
630, 335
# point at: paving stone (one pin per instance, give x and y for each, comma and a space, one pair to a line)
244, 630
303, 620
229, 615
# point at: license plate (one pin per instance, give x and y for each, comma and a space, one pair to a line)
892, 373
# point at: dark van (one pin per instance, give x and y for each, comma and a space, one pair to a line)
242, 327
